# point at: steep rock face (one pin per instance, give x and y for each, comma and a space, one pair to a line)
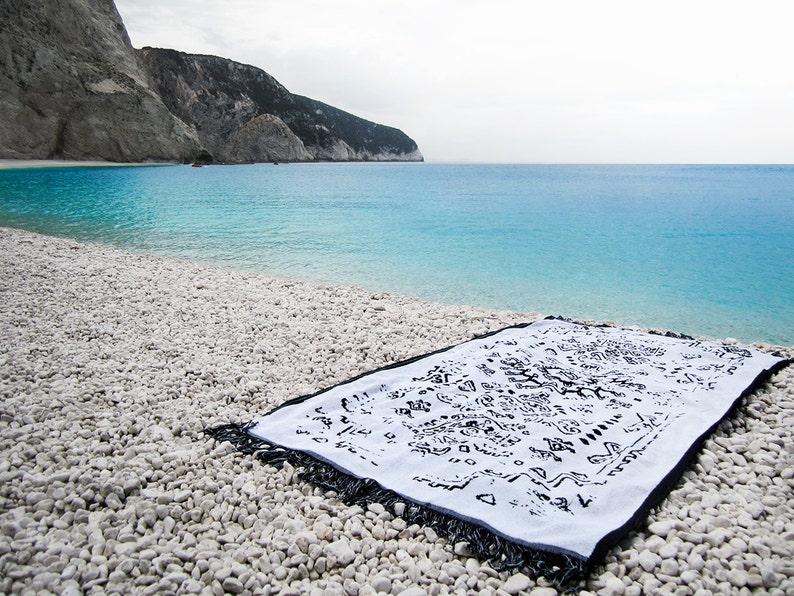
267, 138
330, 132
226, 100
71, 88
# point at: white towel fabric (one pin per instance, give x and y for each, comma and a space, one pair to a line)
554, 435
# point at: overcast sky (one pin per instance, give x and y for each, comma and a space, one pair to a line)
568, 81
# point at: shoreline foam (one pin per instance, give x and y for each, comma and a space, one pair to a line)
112, 364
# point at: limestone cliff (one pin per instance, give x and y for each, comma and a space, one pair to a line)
227, 101
71, 88
265, 138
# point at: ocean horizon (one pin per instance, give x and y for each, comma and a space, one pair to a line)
698, 249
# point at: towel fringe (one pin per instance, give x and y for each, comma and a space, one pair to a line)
665, 333
566, 572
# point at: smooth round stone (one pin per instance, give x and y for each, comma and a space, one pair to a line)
654, 543
233, 585
696, 562
649, 560
543, 591
34, 497
193, 586
430, 534
770, 501
717, 537
669, 567
711, 499
722, 522
280, 573
689, 576
668, 551
341, 551
754, 580
381, 584
71, 589
472, 566
415, 549
737, 578
614, 587
516, 583
663, 528
182, 496
398, 524
755, 508
320, 565
454, 570
690, 537
376, 508
413, 591
437, 555
113, 501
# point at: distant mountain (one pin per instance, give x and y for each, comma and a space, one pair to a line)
241, 113
73, 87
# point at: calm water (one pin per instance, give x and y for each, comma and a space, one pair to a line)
698, 249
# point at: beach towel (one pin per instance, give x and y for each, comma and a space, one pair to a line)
540, 445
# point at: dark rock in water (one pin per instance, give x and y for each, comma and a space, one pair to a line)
243, 114
71, 88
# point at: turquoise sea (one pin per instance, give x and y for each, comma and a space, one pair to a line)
697, 249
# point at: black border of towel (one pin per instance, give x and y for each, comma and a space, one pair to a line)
565, 570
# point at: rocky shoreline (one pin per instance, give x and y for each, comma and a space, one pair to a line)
112, 364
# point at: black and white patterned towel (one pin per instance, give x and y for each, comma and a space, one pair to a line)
551, 438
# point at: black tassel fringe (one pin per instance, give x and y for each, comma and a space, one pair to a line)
566, 572
672, 334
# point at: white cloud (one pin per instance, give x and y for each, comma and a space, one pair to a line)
511, 80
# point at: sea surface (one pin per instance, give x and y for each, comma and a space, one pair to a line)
704, 250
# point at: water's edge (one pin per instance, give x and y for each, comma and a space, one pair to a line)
703, 250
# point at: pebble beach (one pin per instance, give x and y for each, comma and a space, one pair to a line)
112, 364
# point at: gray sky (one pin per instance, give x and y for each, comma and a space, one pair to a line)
628, 81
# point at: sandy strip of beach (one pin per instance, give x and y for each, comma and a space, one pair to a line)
6, 164
112, 363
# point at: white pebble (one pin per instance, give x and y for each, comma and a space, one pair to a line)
614, 587
543, 591
649, 560
430, 534
381, 584
114, 363
341, 551
413, 591
737, 577
669, 567
668, 551
663, 528
516, 583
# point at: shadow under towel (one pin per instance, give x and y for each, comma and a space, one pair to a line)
540, 445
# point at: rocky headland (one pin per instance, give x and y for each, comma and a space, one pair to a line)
72, 87
243, 114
